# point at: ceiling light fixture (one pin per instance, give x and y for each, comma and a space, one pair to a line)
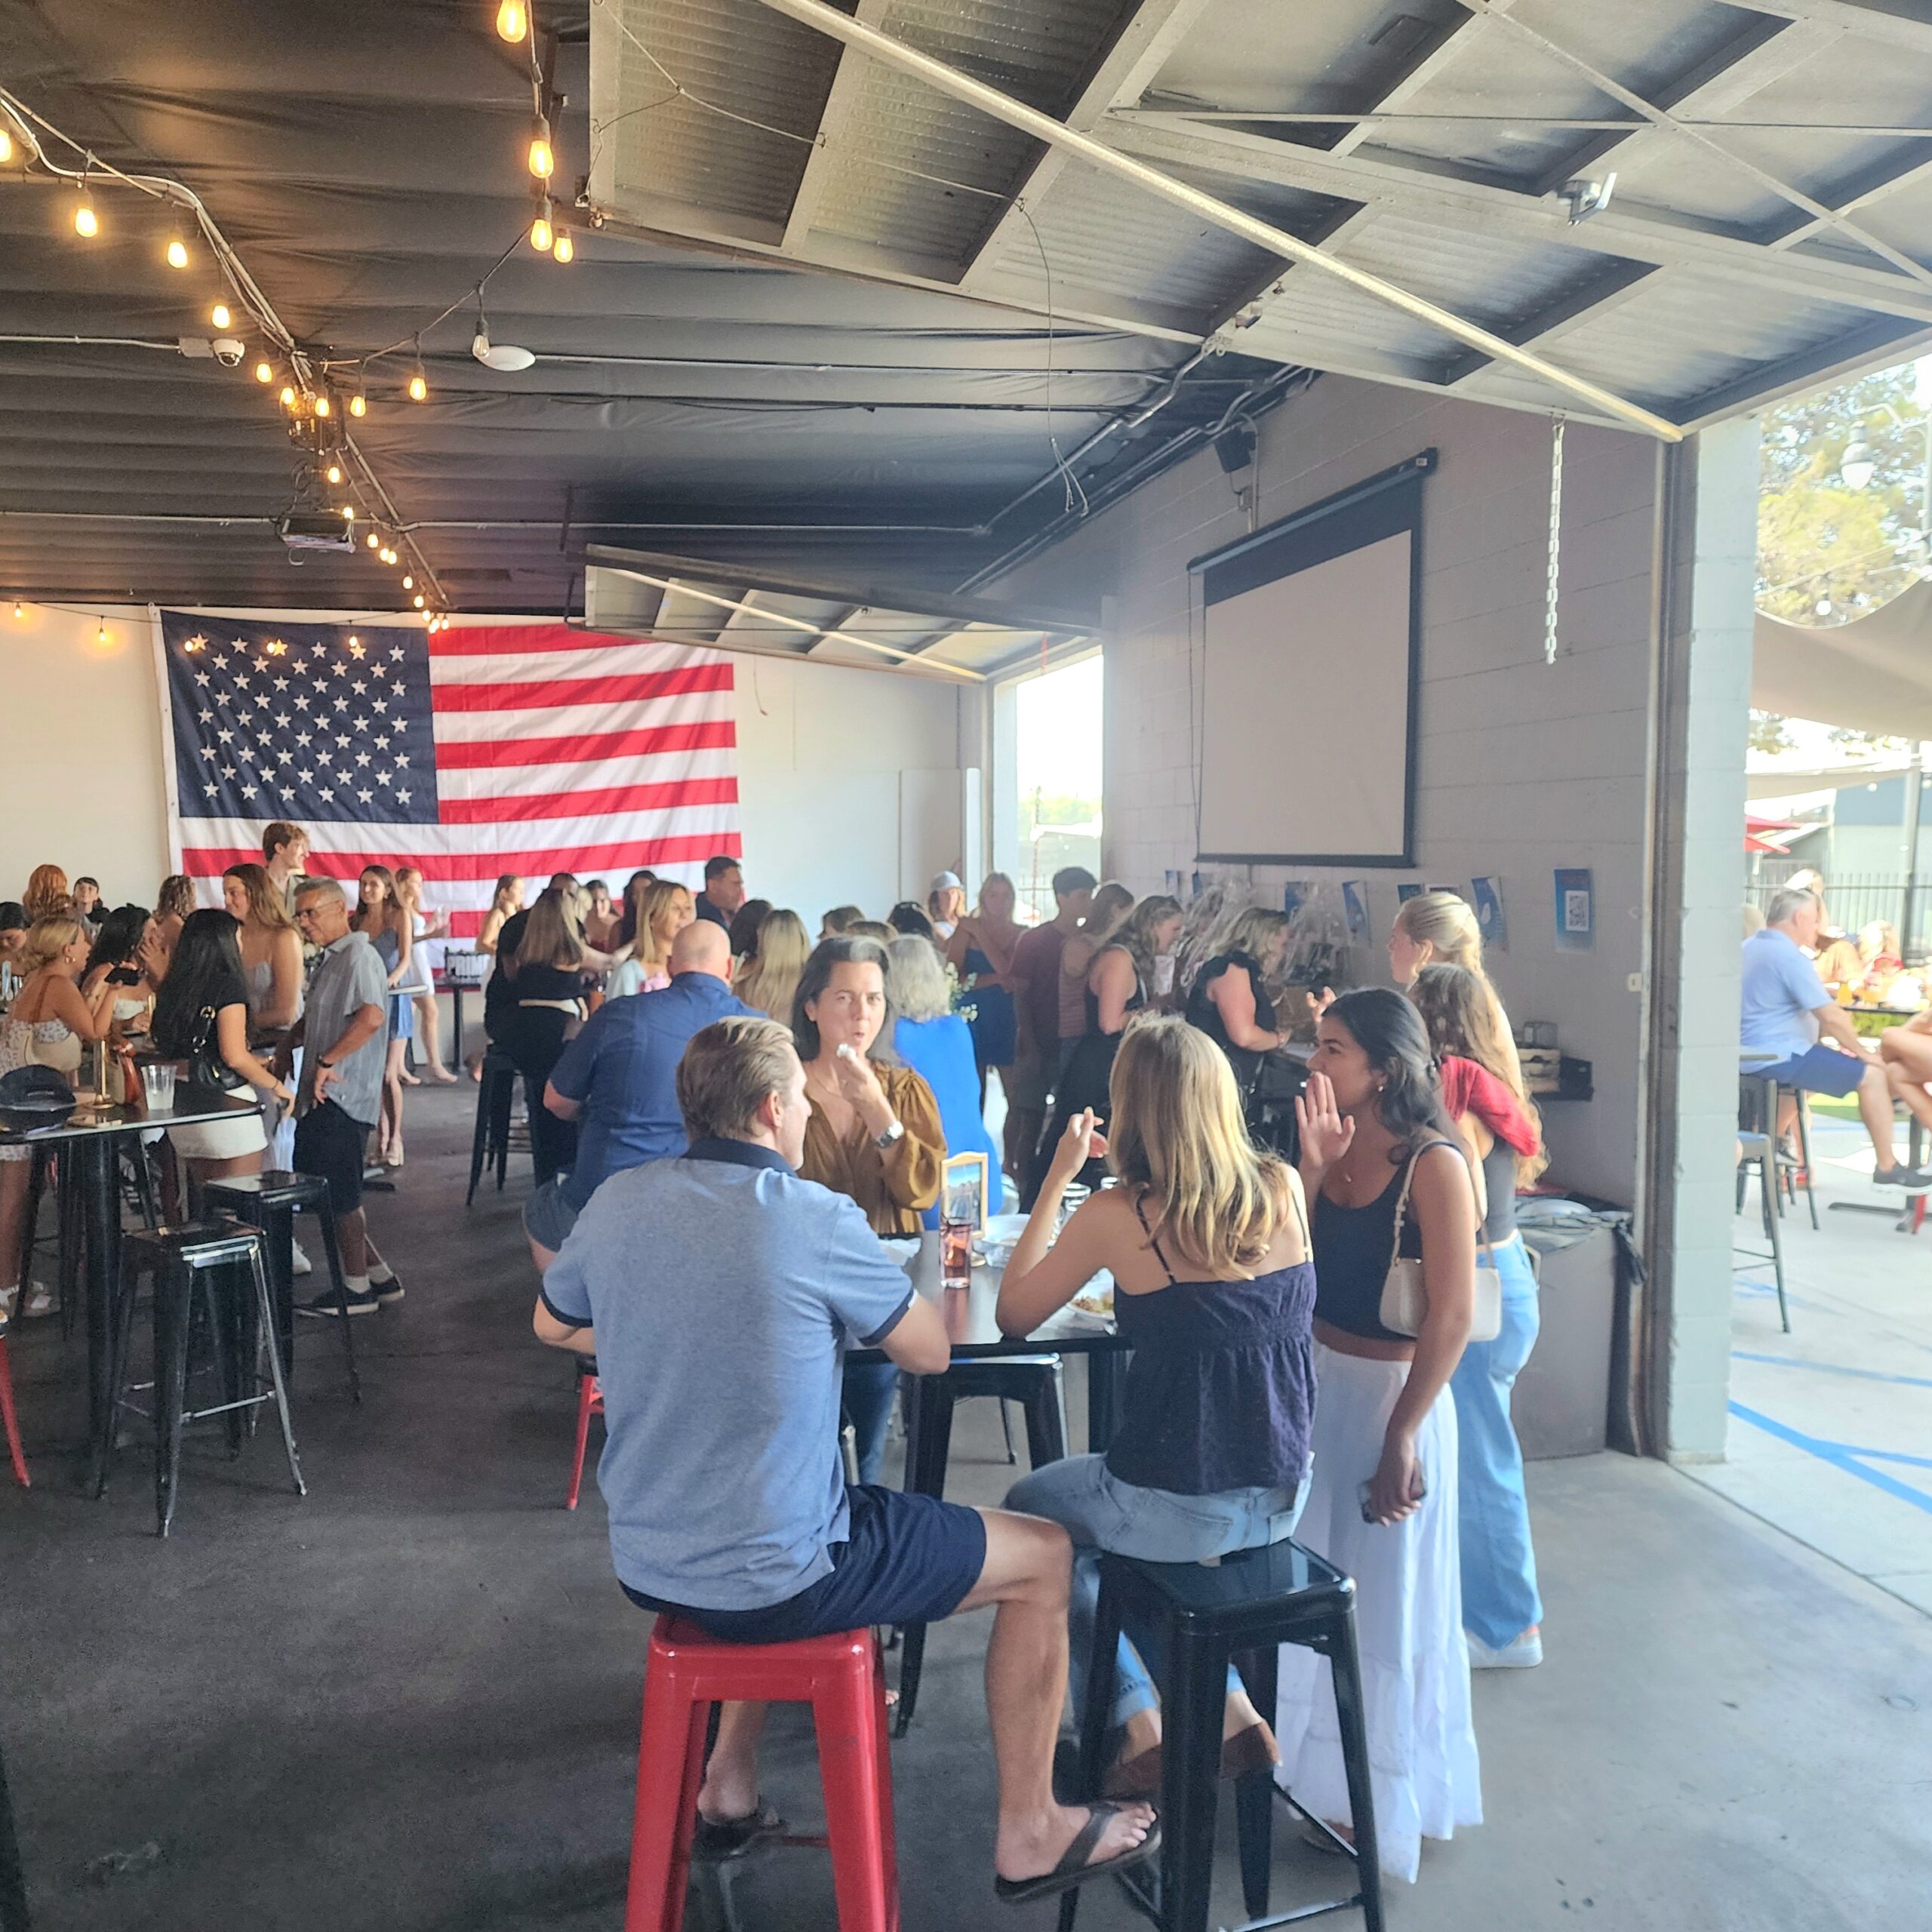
512, 21
505, 356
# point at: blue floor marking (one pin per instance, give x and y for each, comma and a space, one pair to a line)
1833, 1368
1838, 1456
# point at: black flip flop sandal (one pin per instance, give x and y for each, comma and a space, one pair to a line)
1073, 1869
716, 1839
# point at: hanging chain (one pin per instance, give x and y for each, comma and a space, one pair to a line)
1555, 536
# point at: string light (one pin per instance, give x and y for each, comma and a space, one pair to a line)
19, 610
419, 383
219, 315
287, 398
512, 20
542, 235
420, 600
375, 540
177, 254
349, 513
359, 405
322, 404
335, 472
263, 372
566, 249
543, 156
85, 223
100, 635
6, 147
354, 642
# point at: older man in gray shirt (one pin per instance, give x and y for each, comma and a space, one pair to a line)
345, 1026
718, 1292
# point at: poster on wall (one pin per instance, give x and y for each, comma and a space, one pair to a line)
1575, 909
1485, 895
1295, 895
1354, 904
1411, 888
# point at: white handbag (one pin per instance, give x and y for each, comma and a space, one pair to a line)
1405, 1300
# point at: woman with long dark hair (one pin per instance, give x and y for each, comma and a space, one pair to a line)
1501, 1607
1206, 1240
1386, 1178
874, 1133
546, 981
201, 1016
743, 930
114, 957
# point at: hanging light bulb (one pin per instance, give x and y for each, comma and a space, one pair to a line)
418, 385
19, 611
512, 20
6, 147
85, 224
220, 316
287, 397
177, 254
322, 403
420, 600
264, 373
566, 249
349, 513
543, 156
374, 540
100, 635
359, 405
334, 472
542, 235
409, 582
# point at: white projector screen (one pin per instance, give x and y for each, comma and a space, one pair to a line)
1308, 723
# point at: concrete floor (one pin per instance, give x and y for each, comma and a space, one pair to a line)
1831, 1425
409, 1702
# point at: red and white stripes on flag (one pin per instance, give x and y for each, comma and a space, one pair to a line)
555, 749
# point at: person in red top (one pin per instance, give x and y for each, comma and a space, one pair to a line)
1035, 978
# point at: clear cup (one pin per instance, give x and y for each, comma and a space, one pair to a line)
1163, 976
158, 1086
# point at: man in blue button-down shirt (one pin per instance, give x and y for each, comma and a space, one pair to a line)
619, 1080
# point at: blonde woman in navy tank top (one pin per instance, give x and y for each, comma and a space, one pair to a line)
1207, 1239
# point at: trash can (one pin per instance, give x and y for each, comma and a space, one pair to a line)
1561, 1403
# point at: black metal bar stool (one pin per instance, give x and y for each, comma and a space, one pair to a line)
496, 1093
217, 1268
1757, 1146
270, 1202
1038, 1384
1208, 1614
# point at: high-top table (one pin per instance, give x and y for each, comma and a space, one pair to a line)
90, 1139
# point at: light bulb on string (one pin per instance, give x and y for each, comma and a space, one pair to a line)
374, 540
419, 383
409, 582
6, 147
512, 21
565, 250
19, 610
349, 513
287, 396
359, 405
334, 472
86, 224
322, 403
543, 235
177, 254
101, 633
220, 316
420, 600
542, 157
263, 372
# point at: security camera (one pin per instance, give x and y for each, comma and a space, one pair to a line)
228, 351
1586, 197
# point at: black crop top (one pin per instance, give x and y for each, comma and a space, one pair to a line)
1353, 1247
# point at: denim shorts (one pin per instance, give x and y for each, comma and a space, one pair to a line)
1818, 1069
547, 1216
906, 1559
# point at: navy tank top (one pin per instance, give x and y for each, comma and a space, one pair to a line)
1220, 1390
1353, 1247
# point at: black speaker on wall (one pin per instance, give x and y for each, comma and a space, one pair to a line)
1234, 446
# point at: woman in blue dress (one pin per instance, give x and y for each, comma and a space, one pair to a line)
933, 1040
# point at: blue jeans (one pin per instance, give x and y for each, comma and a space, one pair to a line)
869, 1389
1100, 1513
1499, 1564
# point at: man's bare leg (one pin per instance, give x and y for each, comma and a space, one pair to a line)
730, 1779
1028, 1564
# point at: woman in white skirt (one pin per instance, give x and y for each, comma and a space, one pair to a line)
1385, 1173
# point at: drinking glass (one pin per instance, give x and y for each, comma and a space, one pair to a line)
158, 1086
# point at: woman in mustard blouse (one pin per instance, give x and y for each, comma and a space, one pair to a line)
874, 1132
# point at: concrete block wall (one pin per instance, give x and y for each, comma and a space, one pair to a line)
1523, 767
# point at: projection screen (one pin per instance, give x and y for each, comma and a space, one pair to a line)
1312, 648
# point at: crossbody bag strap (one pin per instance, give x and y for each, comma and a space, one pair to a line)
1402, 1208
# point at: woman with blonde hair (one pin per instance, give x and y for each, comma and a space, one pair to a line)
47, 896
46, 1025
1502, 1610
172, 905
1207, 1240
428, 934
770, 982
1228, 1000
933, 1041
504, 902
980, 951
381, 916
665, 908
1442, 926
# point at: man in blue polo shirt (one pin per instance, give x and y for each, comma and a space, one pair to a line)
1786, 1011
718, 1292
618, 1079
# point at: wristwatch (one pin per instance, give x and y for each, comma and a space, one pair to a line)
891, 1136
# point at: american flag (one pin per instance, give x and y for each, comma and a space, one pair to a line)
484, 749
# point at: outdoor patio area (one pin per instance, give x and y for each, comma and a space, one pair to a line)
1830, 1428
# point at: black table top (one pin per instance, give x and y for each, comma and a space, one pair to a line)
98, 1118
969, 1314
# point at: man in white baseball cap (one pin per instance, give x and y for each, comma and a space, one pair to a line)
945, 904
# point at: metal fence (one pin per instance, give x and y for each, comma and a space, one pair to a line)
1855, 899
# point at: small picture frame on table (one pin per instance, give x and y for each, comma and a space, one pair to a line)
963, 1191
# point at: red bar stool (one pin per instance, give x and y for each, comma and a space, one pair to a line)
841, 1677
589, 1402
10, 1422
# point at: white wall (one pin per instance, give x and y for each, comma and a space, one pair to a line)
850, 781
1522, 768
